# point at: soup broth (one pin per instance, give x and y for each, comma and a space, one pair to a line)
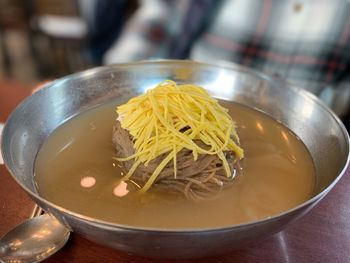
75, 169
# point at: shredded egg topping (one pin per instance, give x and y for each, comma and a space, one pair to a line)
171, 117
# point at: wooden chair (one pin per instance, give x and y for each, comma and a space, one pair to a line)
61, 36
14, 15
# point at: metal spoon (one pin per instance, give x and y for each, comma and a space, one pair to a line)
34, 240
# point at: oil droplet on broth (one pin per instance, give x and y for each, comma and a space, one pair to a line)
121, 189
87, 181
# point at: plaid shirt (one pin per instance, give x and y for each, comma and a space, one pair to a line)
306, 42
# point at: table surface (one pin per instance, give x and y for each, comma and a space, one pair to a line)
323, 235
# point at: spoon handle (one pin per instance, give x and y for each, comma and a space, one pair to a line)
37, 211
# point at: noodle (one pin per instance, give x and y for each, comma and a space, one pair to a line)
177, 136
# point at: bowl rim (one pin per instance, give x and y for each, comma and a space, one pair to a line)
222, 65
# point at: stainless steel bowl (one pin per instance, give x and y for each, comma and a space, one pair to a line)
33, 120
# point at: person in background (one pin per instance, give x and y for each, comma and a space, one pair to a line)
106, 19
304, 42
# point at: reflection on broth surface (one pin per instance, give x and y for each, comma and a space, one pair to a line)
75, 169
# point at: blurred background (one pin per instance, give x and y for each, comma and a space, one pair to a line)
304, 42
41, 39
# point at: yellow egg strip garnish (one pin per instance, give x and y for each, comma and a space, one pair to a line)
156, 121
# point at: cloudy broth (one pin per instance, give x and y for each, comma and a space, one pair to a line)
75, 169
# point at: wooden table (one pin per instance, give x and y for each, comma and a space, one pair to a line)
323, 235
